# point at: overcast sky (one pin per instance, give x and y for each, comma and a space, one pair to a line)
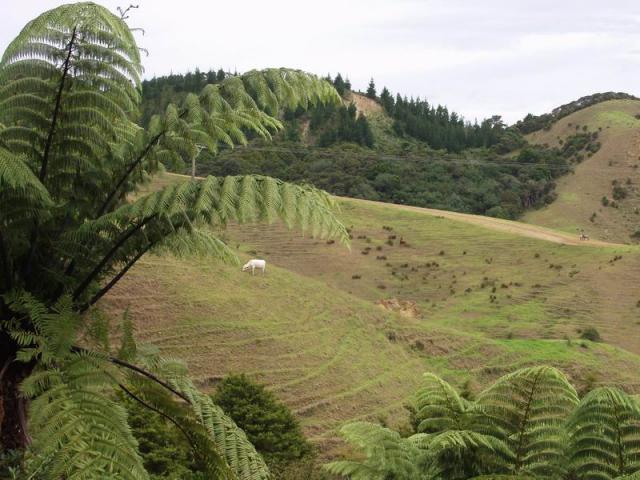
480, 58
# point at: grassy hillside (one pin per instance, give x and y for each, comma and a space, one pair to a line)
579, 204
466, 301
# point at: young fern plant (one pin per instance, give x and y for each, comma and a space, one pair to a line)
71, 155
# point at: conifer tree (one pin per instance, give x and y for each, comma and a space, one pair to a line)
371, 90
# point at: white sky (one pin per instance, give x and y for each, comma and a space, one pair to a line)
478, 57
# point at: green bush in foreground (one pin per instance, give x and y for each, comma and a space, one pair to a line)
269, 424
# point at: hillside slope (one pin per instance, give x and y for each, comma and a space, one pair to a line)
580, 195
343, 334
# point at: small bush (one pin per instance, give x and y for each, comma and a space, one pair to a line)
591, 334
619, 193
604, 201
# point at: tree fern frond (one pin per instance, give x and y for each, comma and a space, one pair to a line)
79, 431
604, 433
385, 454
229, 441
528, 409
438, 405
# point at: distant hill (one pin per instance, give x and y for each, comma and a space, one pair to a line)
602, 196
532, 123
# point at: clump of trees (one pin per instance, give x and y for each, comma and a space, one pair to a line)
334, 124
437, 126
528, 424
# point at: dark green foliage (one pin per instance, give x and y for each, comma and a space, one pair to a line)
386, 100
371, 90
591, 333
479, 182
439, 128
10, 464
269, 424
335, 124
619, 192
342, 86
165, 451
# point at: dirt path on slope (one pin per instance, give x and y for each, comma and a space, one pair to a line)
508, 226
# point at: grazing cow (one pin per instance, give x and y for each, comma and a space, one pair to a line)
253, 264
584, 236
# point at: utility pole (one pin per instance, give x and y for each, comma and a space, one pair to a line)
199, 148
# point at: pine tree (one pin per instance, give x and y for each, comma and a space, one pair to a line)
386, 100
371, 89
339, 85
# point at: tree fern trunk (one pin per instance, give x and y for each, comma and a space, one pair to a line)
13, 407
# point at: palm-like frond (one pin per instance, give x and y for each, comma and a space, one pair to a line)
439, 407
68, 80
385, 454
173, 217
528, 409
79, 431
462, 453
604, 434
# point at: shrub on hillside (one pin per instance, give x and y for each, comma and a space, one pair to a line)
619, 192
591, 334
268, 423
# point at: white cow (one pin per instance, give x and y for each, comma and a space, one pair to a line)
253, 264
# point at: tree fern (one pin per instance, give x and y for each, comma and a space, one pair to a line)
528, 409
70, 158
604, 433
385, 454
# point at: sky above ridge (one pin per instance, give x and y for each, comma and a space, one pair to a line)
479, 58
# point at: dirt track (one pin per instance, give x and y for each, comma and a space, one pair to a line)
508, 226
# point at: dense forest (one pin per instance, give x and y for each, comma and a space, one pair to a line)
414, 153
